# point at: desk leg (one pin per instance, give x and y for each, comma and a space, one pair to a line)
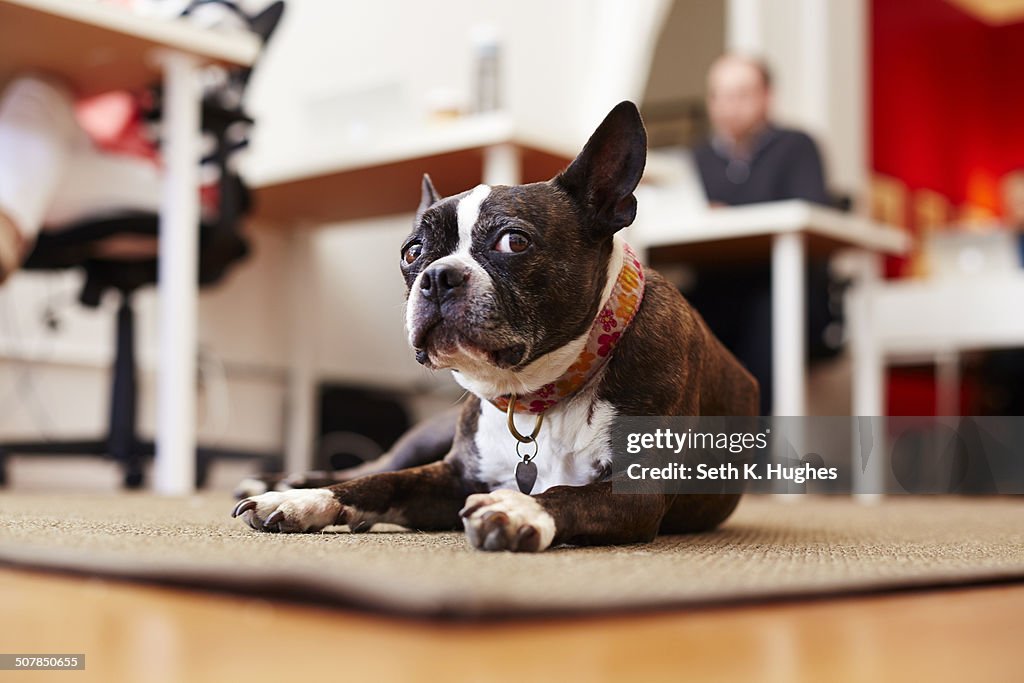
301, 408
502, 165
789, 324
178, 289
947, 383
869, 447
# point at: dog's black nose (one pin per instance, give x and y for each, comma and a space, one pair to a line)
440, 281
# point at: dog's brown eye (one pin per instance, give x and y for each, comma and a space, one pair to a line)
512, 243
412, 252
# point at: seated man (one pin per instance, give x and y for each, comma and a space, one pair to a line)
748, 159
52, 171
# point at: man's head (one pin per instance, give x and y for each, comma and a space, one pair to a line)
500, 276
739, 96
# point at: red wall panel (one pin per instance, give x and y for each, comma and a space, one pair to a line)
947, 99
947, 114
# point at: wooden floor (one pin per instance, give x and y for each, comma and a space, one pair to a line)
132, 632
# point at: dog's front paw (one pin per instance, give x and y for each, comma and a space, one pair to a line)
507, 520
300, 510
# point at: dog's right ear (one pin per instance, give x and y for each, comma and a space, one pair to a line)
428, 196
264, 23
602, 178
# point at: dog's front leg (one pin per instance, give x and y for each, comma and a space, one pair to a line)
427, 498
581, 515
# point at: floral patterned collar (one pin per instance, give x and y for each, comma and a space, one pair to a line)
613, 319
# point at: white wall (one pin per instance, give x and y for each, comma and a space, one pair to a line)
564, 64
360, 310
691, 38
818, 50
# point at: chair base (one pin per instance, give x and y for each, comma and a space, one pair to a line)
122, 442
132, 465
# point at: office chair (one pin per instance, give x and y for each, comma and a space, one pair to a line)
221, 245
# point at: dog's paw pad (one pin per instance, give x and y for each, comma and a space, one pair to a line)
296, 511
507, 520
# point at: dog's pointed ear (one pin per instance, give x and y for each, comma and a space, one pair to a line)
264, 23
602, 178
428, 195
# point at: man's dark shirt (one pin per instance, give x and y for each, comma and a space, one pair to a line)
785, 164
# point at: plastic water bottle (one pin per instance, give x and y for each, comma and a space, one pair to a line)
487, 76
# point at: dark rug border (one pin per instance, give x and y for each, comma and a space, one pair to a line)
302, 592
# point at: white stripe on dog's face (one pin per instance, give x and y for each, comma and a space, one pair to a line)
468, 211
480, 284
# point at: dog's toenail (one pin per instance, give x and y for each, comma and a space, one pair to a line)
248, 504
275, 517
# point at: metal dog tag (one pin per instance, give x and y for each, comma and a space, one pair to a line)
526, 475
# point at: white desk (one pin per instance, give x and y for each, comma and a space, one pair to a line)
97, 48
330, 186
932, 320
787, 231
382, 177
936, 320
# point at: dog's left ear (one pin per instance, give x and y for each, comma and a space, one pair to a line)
604, 175
428, 196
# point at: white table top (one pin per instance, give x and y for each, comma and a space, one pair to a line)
346, 181
758, 220
946, 315
432, 139
98, 47
429, 140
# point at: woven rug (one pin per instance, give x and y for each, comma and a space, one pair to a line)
768, 550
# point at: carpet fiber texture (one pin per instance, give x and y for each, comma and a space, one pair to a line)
767, 550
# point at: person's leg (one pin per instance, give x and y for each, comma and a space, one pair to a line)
754, 350
713, 296
38, 132
736, 305
1002, 379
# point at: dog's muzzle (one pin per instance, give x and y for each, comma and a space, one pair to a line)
442, 282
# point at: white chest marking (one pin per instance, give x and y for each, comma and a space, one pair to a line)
571, 450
